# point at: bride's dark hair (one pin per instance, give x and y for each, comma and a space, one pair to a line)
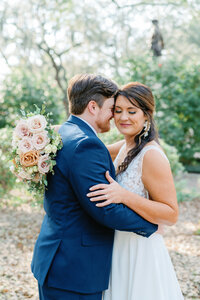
140, 96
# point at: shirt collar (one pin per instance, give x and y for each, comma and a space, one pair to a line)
86, 123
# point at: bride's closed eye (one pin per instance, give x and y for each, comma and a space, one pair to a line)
132, 112
119, 111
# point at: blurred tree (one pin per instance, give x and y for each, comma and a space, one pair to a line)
22, 91
61, 38
176, 87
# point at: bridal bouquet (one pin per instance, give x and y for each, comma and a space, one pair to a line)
34, 147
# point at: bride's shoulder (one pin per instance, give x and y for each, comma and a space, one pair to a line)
154, 158
153, 147
155, 166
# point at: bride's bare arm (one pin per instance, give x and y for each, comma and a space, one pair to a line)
158, 180
114, 149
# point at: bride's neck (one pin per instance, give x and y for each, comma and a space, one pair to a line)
130, 143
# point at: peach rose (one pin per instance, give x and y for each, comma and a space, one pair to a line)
29, 159
25, 145
22, 130
36, 123
43, 166
40, 140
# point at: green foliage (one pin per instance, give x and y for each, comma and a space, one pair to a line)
21, 91
7, 179
176, 87
197, 232
178, 172
173, 156
111, 137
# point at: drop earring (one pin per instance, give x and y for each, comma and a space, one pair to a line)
147, 126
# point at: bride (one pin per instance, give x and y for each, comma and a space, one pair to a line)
141, 267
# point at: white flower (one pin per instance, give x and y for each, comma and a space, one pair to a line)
40, 140
43, 165
25, 145
30, 170
57, 140
197, 155
36, 123
21, 130
53, 149
15, 140
48, 149
35, 169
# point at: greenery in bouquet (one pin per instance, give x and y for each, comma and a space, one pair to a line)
34, 147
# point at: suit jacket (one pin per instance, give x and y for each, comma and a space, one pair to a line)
74, 248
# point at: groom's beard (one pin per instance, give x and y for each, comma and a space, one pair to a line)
103, 125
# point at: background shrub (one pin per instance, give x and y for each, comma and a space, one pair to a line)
176, 87
7, 179
21, 91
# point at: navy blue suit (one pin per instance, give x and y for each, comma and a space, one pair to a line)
74, 249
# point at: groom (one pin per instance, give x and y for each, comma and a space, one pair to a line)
72, 255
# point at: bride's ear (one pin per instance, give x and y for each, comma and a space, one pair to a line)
92, 107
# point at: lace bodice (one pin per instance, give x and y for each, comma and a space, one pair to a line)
131, 178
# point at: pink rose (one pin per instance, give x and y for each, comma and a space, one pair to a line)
40, 140
25, 145
23, 175
36, 123
22, 129
43, 166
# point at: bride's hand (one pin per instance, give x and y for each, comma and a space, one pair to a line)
56, 127
111, 193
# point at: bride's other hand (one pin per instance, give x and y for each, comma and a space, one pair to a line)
56, 127
111, 193
114, 149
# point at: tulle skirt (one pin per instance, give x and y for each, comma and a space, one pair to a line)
141, 269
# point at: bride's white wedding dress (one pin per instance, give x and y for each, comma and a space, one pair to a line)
141, 267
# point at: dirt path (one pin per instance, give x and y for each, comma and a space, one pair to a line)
19, 228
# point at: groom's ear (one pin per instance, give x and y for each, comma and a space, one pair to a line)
92, 107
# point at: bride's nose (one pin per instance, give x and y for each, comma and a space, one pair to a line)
124, 116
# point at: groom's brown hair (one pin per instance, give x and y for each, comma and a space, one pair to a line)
86, 87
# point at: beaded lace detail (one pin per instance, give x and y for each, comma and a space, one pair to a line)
131, 178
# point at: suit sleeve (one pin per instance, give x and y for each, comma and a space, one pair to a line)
89, 164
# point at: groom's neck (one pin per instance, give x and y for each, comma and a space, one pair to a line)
89, 120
